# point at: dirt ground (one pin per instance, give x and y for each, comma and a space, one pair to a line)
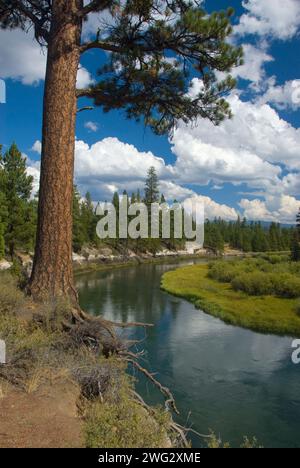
46, 418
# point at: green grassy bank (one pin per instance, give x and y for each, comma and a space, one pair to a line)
89, 267
266, 313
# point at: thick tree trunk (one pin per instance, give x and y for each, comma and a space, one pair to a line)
52, 273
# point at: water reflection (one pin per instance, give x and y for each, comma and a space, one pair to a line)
232, 380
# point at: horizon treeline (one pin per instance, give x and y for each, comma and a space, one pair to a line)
18, 218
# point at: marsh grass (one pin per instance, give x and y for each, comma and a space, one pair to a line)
265, 313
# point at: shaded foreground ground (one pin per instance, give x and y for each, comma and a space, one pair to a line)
46, 418
266, 314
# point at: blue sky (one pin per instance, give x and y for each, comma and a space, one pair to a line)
249, 165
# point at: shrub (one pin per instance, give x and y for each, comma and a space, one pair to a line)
259, 283
124, 424
254, 284
286, 285
222, 271
11, 297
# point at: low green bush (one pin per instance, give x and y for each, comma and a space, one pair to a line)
11, 297
123, 423
297, 308
259, 284
222, 271
266, 274
254, 284
286, 285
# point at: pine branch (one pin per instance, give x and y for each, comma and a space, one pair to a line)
28, 11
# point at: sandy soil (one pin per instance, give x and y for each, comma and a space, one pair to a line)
47, 418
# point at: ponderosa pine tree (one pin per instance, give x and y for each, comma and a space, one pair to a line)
154, 48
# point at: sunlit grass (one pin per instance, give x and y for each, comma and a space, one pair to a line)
266, 314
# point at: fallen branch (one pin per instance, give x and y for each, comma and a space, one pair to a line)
92, 330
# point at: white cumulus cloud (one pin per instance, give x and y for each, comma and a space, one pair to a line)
275, 18
253, 67
37, 147
22, 59
282, 208
283, 96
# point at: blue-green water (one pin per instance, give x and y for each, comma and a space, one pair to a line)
224, 378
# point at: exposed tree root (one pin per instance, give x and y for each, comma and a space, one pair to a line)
84, 316
170, 402
181, 431
92, 330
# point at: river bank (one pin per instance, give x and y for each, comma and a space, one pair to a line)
92, 259
57, 391
265, 314
124, 262
225, 378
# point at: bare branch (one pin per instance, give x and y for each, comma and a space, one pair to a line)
85, 108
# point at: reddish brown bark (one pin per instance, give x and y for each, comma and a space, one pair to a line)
52, 273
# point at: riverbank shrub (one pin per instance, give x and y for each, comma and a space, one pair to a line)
254, 284
263, 275
221, 271
121, 422
286, 285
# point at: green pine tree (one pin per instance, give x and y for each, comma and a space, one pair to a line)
151, 187
88, 219
79, 232
2, 242
16, 188
295, 247
136, 77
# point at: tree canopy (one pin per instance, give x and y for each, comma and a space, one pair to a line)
154, 49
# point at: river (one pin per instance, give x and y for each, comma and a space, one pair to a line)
233, 381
